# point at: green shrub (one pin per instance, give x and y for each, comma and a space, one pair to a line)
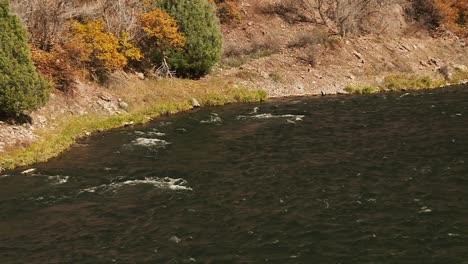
401, 82
460, 76
21, 87
198, 22
355, 89
398, 82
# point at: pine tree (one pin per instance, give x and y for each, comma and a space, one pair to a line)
21, 87
198, 22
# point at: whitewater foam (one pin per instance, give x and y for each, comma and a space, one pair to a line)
150, 142
214, 118
58, 179
270, 116
150, 133
160, 183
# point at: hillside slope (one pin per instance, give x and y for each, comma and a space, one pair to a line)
267, 51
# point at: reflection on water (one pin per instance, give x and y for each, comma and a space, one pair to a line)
367, 179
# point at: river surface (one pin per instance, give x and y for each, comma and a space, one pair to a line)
341, 179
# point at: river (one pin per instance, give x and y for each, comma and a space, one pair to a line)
339, 179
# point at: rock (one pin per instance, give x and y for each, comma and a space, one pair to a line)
123, 105
433, 61
110, 107
28, 171
250, 23
175, 239
447, 72
350, 76
460, 67
318, 76
140, 75
41, 119
358, 55
105, 97
195, 103
87, 133
127, 124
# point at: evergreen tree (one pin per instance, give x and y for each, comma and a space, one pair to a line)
198, 22
21, 87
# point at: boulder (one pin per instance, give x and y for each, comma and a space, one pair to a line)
140, 75
123, 105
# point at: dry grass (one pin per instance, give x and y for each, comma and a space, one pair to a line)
401, 82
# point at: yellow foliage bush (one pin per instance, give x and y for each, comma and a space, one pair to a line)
59, 66
101, 51
128, 49
453, 14
160, 27
228, 12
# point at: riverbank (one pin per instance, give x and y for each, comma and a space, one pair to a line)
351, 65
127, 103
131, 101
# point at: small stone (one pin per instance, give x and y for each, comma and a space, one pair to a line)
140, 75
318, 76
195, 103
41, 119
105, 97
358, 55
127, 124
433, 61
28, 171
350, 76
175, 239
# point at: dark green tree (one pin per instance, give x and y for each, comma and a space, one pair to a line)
21, 87
198, 22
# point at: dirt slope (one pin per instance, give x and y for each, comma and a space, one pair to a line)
334, 62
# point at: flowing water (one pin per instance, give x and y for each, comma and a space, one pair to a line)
343, 179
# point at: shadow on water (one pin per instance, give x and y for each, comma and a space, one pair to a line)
366, 179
